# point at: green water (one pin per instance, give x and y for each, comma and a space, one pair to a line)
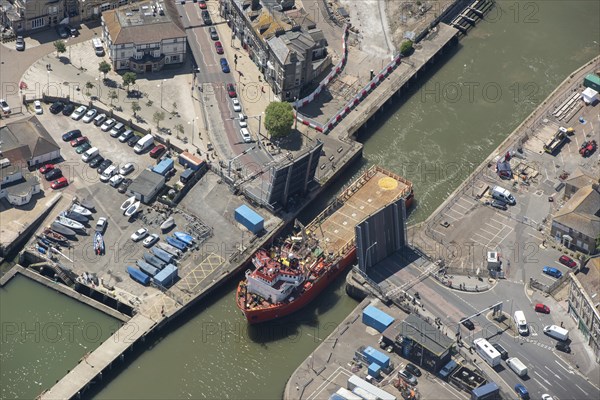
44, 334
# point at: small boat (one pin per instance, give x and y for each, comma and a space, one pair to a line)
176, 242
163, 255
132, 209
157, 262
63, 230
169, 249
41, 243
56, 237
87, 203
184, 237
99, 243
127, 203
75, 216
69, 222
147, 268
168, 224
81, 210
138, 275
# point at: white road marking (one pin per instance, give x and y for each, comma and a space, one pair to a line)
582, 390
552, 372
560, 365
548, 383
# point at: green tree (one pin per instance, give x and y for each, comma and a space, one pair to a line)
149, 103
129, 79
105, 68
158, 117
88, 85
406, 47
179, 128
279, 117
112, 95
174, 112
135, 107
60, 47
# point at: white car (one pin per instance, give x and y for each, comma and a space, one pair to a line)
101, 224
89, 116
139, 234
150, 240
246, 135
116, 180
108, 124
108, 173
37, 106
242, 120
126, 169
237, 107
79, 112
546, 396
4, 106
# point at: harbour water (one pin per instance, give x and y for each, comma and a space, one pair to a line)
464, 107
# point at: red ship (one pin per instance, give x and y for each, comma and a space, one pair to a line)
294, 271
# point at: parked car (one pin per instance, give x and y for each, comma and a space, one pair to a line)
59, 183
206, 17
108, 124
74, 134
542, 308
83, 147
499, 205
5, 107
103, 165
150, 240
117, 129
224, 65
468, 323
37, 107
125, 136
231, 90
501, 350
99, 119
157, 151
213, 32
125, 185
116, 180
554, 272
90, 115
46, 168
79, 141
407, 377
242, 120
202, 4
563, 346
139, 234
72, 30
546, 396
68, 110
101, 224
79, 113
20, 44
96, 161
62, 31
126, 169
568, 261
413, 369
237, 107
133, 140
57, 107
218, 47
246, 135
521, 391
108, 173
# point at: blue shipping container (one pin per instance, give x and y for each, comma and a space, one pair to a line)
138, 275
186, 175
375, 356
375, 318
167, 276
251, 220
374, 370
164, 166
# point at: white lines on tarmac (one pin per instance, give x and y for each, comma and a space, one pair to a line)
329, 380
570, 371
553, 373
547, 383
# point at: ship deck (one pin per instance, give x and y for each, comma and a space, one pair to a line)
373, 190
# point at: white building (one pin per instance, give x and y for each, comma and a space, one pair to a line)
13, 186
143, 37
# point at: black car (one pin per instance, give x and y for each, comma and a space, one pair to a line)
74, 134
103, 165
124, 185
72, 31
206, 17
563, 346
53, 174
68, 110
499, 205
468, 324
57, 107
413, 369
501, 350
131, 142
96, 161
62, 31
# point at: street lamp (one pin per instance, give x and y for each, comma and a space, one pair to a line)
192, 123
161, 92
367, 254
48, 85
295, 113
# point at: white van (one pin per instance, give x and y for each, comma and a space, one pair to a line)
499, 193
556, 332
98, 48
108, 173
89, 154
521, 323
516, 365
144, 144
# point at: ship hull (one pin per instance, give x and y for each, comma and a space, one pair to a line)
258, 315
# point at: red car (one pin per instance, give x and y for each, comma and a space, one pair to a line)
542, 308
79, 141
202, 4
231, 90
46, 168
219, 47
157, 151
568, 261
59, 183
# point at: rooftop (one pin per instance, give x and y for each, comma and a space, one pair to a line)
589, 277
146, 182
580, 179
582, 211
422, 332
25, 139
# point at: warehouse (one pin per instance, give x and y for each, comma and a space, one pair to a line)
146, 186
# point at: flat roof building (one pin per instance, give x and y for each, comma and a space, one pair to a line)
146, 186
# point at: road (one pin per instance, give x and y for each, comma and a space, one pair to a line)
222, 127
